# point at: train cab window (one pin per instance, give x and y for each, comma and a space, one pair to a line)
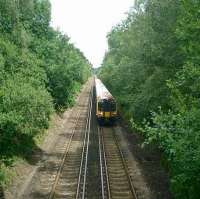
107, 106
100, 106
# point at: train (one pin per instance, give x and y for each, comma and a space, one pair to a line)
106, 106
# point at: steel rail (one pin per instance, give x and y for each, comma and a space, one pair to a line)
103, 163
125, 165
101, 167
84, 156
63, 159
87, 149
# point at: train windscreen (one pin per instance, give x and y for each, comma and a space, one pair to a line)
107, 105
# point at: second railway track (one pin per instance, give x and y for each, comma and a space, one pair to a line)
70, 179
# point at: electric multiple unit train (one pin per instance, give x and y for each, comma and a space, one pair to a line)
106, 108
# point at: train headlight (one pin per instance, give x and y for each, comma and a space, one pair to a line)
100, 113
113, 113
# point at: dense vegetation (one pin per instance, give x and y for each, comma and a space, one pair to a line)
40, 70
153, 69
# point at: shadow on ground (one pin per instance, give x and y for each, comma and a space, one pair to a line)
23, 146
18, 146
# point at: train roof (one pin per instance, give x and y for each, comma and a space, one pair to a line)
101, 91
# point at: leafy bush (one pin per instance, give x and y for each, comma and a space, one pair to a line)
178, 136
24, 110
65, 66
178, 132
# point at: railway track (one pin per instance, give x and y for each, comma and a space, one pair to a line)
70, 180
116, 182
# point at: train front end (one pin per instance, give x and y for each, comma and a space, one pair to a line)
106, 108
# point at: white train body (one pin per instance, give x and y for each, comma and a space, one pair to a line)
106, 109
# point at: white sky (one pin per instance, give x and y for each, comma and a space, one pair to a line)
87, 23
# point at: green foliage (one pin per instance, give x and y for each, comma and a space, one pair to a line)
32, 106
65, 66
24, 110
143, 55
178, 136
152, 68
39, 70
4, 173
